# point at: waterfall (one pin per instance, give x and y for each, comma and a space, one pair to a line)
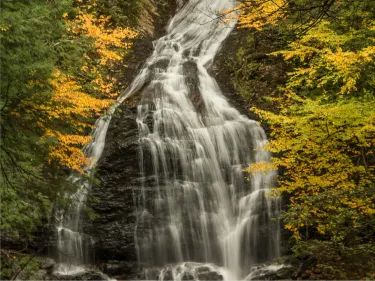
73, 246
193, 147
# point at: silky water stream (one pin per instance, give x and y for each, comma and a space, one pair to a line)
202, 214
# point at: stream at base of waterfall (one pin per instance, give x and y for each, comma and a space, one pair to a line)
203, 219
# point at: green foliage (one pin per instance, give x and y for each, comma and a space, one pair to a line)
330, 63
122, 13
57, 60
328, 159
337, 261
19, 265
323, 129
30, 31
254, 73
21, 216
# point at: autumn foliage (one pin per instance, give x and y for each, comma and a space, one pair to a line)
326, 154
257, 13
76, 101
323, 125
61, 62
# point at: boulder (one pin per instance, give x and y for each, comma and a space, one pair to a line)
115, 267
184, 271
47, 264
287, 273
208, 273
308, 261
86, 275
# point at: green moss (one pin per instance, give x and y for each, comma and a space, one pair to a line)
336, 261
24, 266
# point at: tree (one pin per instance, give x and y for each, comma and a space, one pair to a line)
57, 65
29, 31
87, 92
323, 127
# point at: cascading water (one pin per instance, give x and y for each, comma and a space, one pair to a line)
194, 146
73, 246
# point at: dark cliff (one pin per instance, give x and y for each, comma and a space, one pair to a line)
118, 180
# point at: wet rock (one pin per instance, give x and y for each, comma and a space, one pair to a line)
262, 274
308, 261
87, 275
190, 71
114, 267
210, 275
149, 274
267, 276
39, 275
47, 264
168, 275
160, 64
271, 272
116, 188
287, 272
184, 271
187, 276
292, 261
299, 267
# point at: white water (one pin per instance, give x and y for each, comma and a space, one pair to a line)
194, 146
73, 246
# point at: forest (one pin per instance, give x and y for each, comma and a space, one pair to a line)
304, 70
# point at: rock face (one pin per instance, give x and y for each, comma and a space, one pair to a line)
86, 275
293, 268
118, 183
159, 14
47, 264
224, 74
184, 271
117, 180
